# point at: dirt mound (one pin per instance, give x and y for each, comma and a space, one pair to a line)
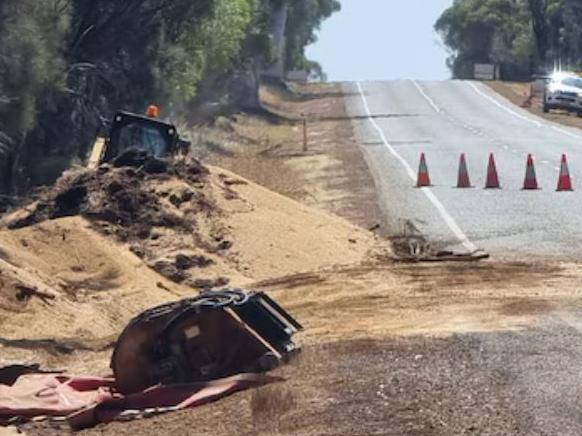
119, 197
63, 279
140, 200
202, 227
105, 244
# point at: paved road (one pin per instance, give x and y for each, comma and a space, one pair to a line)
524, 383
444, 119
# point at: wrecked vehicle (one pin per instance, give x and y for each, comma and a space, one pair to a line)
212, 336
174, 356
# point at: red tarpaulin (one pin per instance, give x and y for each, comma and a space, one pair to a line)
87, 401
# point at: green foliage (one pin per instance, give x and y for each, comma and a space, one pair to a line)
521, 35
210, 46
483, 31
224, 34
146, 49
305, 18
65, 65
137, 50
31, 62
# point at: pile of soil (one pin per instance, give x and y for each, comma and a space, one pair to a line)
104, 244
201, 227
141, 200
118, 197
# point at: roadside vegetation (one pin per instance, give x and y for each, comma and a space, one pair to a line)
522, 36
66, 65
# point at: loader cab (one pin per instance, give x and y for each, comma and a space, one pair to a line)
136, 131
132, 131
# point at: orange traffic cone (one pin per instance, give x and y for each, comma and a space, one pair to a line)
423, 178
463, 178
564, 181
530, 181
492, 177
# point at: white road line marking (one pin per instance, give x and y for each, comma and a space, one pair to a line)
565, 132
505, 147
448, 219
545, 162
514, 113
505, 108
425, 95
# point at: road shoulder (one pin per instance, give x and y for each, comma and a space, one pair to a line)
518, 93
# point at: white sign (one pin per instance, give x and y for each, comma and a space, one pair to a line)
298, 76
485, 72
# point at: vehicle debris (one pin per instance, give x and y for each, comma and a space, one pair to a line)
416, 248
214, 335
84, 402
170, 357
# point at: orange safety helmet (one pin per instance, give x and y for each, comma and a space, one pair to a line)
153, 111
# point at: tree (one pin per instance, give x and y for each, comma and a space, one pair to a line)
305, 19
66, 65
547, 18
539, 12
211, 51
571, 33
488, 31
521, 35
31, 65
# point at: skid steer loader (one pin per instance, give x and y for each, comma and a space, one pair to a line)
132, 131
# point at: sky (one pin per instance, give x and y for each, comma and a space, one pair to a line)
382, 40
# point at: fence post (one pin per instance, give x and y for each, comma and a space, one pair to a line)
304, 133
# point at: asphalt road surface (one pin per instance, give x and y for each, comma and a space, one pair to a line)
446, 118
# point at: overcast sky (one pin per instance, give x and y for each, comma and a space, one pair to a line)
382, 39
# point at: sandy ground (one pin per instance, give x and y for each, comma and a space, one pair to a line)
389, 347
331, 174
394, 349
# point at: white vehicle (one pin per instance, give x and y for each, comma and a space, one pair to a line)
564, 91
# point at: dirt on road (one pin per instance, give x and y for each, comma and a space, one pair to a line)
394, 349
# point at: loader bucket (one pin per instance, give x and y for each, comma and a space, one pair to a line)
214, 335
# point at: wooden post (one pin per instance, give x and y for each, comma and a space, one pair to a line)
304, 133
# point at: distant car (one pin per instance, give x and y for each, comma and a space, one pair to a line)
564, 91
